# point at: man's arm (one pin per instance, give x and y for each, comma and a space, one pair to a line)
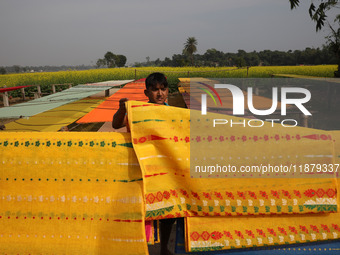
119, 119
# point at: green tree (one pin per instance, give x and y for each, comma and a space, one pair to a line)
213, 57
110, 59
137, 64
167, 62
3, 70
179, 60
157, 62
317, 13
16, 68
252, 59
333, 42
101, 62
190, 47
120, 60
240, 62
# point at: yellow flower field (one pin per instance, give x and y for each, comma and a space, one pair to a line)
172, 73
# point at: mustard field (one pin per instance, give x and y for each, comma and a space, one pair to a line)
172, 73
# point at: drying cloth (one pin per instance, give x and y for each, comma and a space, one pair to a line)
169, 190
53, 120
49, 102
110, 83
220, 233
78, 193
161, 138
152, 232
105, 111
70, 193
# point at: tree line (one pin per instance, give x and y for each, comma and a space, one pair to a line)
33, 69
213, 57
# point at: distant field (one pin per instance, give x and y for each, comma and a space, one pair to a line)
172, 73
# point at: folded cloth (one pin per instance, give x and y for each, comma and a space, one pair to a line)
221, 233
319, 247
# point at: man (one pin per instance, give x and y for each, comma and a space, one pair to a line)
156, 90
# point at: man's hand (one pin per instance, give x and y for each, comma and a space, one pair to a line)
119, 119
122, 103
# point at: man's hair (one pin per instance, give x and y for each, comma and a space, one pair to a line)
156, 78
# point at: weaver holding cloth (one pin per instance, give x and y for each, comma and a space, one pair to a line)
157, 91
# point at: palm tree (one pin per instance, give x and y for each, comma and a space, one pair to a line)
190, 47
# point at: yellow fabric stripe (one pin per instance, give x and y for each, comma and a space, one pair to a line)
53, 120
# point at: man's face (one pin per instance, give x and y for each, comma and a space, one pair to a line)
157, 94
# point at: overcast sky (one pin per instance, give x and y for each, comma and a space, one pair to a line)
75, 32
